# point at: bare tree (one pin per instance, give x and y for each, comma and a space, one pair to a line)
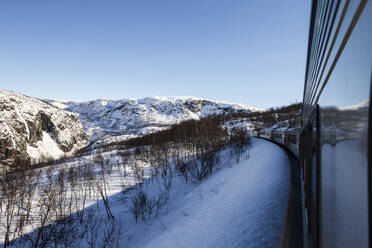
102, 184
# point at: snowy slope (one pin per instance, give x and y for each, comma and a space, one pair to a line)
242, 206
240, 123
107, 118
31, 129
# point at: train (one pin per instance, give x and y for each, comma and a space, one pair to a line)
333, 144
287, 137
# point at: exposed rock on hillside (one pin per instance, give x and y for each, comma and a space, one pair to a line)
31, 130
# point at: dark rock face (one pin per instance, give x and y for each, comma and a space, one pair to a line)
194, 106
46, 124
7, 153
24, 123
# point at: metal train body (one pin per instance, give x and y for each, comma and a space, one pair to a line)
288, 137
333, 145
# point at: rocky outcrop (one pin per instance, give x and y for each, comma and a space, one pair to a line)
32, 130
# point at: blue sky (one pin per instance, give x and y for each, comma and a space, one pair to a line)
251, 52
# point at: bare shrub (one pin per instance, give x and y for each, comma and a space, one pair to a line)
9, 193
144, 206
102, 184
101, 233
199, 169
240, 140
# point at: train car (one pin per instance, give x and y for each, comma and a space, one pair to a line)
292, 141
256, 133
284, 136
278, 135
266, 133
336, 133
333, 145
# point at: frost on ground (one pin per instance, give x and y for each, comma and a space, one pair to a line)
240, 205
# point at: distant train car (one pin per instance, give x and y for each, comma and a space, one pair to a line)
278, 135
266, 133
256, 133
292, 140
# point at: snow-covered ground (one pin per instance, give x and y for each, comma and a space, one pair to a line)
47, 147
240, 205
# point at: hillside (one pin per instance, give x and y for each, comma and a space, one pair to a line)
31, 130
112, 120
144, 203
128, 190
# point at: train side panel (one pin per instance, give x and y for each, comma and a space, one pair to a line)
336, 117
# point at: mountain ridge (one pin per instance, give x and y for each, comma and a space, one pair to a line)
105, 119
33, 130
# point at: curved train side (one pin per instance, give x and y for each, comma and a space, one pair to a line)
287, 137
334, 143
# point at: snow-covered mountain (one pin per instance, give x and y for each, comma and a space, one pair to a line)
32, 130
120, 119
362, 106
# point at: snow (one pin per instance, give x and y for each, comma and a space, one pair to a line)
103, 118
362, 105
59, 104
240, 205
21, 117
46, 147
243, 206
242, 124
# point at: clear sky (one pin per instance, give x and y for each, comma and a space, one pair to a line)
247, 51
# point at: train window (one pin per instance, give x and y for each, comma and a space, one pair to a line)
278, 135
344, 167
311, 176
292, 138
315, 163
